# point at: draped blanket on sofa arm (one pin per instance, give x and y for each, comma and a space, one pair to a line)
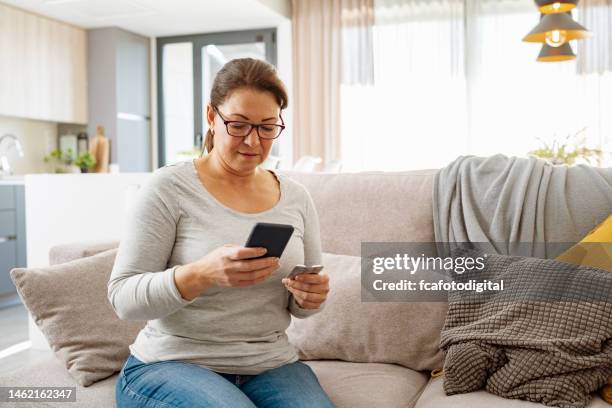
499, 344
506, 201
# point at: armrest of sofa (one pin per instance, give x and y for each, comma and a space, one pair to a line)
69, 252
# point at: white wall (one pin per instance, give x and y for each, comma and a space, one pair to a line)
282, 7
37, 139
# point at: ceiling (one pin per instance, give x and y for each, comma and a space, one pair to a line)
158, 18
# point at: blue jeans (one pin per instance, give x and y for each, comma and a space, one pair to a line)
176, 384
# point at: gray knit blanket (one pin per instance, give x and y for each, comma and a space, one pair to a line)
547, 337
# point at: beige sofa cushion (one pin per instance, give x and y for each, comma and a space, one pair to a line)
68, 303
349, 385
433, 396
51, 372
370, 206
367, 385
347, 329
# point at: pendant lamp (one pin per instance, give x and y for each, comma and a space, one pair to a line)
556, 6
556, 54
556, 29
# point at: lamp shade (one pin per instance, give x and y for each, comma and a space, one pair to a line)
555, 54
561, 25
556, 6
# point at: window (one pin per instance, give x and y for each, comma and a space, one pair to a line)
453, 78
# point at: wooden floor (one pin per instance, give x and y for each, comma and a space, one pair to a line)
13, 325
14, 329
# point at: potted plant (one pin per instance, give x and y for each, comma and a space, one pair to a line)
62, 161
567, 153
85, 162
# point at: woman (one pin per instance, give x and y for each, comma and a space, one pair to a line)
215, 335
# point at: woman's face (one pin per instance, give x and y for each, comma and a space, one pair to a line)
243, 154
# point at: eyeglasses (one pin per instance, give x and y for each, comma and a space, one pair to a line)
238, 128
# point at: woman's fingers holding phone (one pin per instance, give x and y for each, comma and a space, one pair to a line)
245, 278
253, 264
242, 271
311, 294
310, 282
307, 300
253, 277
237, 252
314, 278
307, 287
226, 265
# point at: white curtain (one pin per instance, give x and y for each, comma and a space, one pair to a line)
332, 42
316, 78
595, 55
453, 77
418, 92
357, 42
594, 59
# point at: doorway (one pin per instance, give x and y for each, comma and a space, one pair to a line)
186, 67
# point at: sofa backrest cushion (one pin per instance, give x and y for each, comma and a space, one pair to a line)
69, 252
370, 207
352, 208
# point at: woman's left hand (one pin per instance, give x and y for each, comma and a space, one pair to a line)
309, 290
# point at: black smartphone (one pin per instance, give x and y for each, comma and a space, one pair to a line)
273, 237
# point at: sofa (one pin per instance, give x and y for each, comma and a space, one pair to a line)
353, 208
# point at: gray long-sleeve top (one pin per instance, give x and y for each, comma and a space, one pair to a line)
175, 221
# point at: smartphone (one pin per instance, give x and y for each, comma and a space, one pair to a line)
273, 237
299, 269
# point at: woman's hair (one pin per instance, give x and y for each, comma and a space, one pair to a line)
245, 73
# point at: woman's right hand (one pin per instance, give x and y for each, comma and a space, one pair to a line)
226, 266
230, 266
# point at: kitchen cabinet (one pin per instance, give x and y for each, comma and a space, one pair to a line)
12, 237
43, 68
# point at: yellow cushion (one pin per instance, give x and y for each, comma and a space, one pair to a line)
594, 250
606, 392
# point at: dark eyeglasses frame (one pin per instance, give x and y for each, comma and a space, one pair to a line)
251, 126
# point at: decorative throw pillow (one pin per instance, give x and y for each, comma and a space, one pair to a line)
606, 392
595, 250
347, 329
68, 303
